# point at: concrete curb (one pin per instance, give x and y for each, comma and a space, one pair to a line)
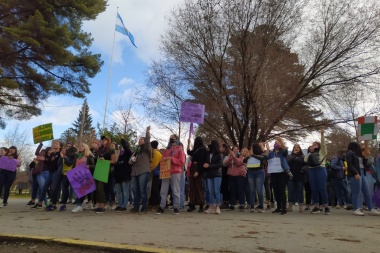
111, 247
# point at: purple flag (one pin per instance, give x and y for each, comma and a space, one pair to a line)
7, 163
193, 113
81, 180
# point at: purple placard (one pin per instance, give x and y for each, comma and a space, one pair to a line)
7, 163
193, 113
81, 180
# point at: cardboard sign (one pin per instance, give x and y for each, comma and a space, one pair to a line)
102, 169
43, 133
165, 165
193, 113
7, 163
274, 165
81, 180
368, 128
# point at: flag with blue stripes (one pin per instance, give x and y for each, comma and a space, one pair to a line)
120, 27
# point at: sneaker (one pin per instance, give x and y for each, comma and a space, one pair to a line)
217, 210
290, 208
283, 211
300, 208
160, 211
121, 209
307, 208
176, 211
51, 208
37, 206
268, 207
206, 207
276, 211
30, 203
296, 204
349, 207
231, 208
3, 205
113, 207
77, 209
201, 210
107, 206
358, 212
373, 212
241, 208
261, 209
327, 210
100, 210
210, 210
315, 210
62, 208
252, 210
191, 208
117, 208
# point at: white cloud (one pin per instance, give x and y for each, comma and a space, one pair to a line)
125, 81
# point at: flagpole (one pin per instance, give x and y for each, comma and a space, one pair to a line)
110, 73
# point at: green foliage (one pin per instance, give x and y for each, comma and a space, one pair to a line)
87, 126
116, 134
44, 52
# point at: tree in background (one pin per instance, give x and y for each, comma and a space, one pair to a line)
264, 68
44, 52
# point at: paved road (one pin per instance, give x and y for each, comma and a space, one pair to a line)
230, 232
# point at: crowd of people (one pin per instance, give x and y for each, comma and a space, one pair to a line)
208, 178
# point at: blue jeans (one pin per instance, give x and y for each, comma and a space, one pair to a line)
174, 181
236, 184
140, 184
42, 178
6, 180
317, 179
342, 193
213, 185
358, 186
122, 192
295, 192
256, 178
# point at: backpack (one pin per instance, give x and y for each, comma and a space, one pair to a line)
313, 159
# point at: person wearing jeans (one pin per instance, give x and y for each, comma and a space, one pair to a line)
213, 174
296, 184
175, 155
357, 177
141, 172
337, 178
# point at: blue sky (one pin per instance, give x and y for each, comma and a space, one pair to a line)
147, 21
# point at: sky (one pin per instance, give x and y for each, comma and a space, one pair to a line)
147, 21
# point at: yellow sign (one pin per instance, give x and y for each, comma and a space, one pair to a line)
43, 133
165, 168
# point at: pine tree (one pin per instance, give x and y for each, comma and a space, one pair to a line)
87, 126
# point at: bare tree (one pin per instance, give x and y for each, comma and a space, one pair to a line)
260, 66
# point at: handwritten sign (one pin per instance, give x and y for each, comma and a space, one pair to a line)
274, 165
7, 163
368, 128
165, 165
43, 133
81, 180
102, 170
193, 113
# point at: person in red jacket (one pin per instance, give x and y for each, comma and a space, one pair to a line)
175, 153
236, 178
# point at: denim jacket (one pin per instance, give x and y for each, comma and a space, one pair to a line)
282, 154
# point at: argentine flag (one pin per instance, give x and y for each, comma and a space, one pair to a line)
120, 27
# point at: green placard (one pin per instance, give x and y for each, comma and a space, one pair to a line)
102, 170
43, 133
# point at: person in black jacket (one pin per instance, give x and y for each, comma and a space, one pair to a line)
356, 174
296, 183
214, 177
122, 174
199, 156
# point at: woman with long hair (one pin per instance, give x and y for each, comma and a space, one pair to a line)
7, 176
198, 158
357, 176
296, 184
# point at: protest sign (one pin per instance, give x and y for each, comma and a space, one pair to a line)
274, 165
165, 165
102, 169
7, 163
43, 133
81, 180
368, 128
193, 113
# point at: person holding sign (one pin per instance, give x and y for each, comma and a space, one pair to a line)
199, 156
140, 162
317, 173
256, 175
9, 162
175, 156
278, 168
